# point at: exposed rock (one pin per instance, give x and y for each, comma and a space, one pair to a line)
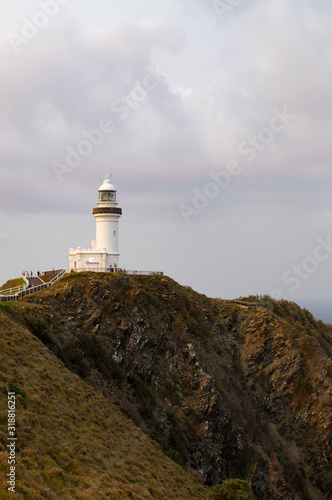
227, 391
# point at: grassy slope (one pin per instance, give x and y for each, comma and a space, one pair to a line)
278, 355
72, 443
12, 283
47, 277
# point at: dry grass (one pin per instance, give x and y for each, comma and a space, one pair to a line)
12, 283
47, 277
72, 443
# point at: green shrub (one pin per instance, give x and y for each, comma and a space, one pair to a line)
15, 388
308, 345
178, 331
37, 326
257, 299
231, 489
95, 352
144, 397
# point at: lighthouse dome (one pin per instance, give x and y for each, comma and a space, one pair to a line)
107, 186
107, 193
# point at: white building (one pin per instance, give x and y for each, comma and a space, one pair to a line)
105, 248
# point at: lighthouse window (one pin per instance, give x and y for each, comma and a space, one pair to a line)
113, 233
107, 196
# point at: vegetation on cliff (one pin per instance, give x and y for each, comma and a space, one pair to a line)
71, 441
225, 391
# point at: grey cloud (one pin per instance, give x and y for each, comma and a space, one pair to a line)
224, 81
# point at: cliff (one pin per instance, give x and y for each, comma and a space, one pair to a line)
72, 442
223, 390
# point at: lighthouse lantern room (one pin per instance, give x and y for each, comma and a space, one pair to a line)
104, 253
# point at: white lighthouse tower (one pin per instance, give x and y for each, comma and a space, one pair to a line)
107, 217
105, 248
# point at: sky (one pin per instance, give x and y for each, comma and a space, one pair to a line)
215, 119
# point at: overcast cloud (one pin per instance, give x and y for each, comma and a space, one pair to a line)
215, 82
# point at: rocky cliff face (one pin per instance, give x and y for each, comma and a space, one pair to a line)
228, 392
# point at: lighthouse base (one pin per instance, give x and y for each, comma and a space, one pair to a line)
91, 259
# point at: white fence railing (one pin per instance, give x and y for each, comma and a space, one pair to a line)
245, 303
52, 271
12, 291
33, 289
25, 279
118, 270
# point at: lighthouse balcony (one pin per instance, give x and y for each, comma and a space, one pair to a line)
107, 210
91, 251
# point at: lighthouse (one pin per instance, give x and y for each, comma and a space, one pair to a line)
107, 215
104, 253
